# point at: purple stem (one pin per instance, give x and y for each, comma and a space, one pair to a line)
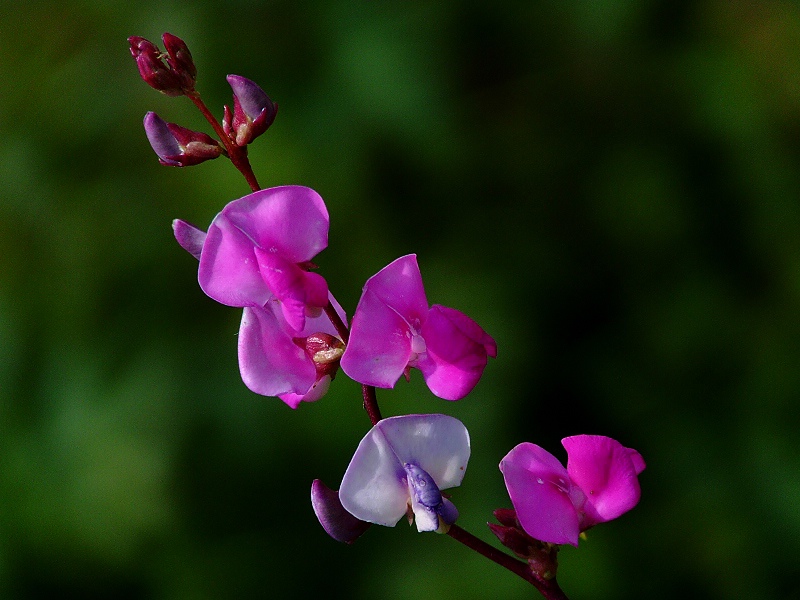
549, 588
237, 154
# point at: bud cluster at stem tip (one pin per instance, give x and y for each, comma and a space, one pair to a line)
171, 72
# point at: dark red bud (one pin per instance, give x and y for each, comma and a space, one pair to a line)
176, 76
180, 60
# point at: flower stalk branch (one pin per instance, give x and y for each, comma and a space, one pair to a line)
549, 588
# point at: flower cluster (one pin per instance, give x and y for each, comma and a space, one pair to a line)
257, 255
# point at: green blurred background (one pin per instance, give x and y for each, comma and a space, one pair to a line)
611, 188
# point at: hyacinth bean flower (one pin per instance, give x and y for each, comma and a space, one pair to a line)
177, 146
400, 468
393, 330
555, 504
254, 256
253, 111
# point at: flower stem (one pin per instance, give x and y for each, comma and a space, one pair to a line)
236, 154
549, 588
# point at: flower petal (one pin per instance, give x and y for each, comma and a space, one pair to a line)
606, 471
457, 350
439, 444
379, 347
373, 487
270, 363
539, 489
189, 237
290, 221
399, 285
295, 288
228, 270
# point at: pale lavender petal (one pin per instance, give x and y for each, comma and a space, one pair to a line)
606, 472
399, 285
337, 522
228, 270
270, 363
457, 350
290, 221
538, 486
296, 289
380, 343
439, 444
189, 237
374, 488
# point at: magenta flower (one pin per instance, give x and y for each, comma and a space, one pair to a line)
255, 256
400, 468
393, 330
260, 247
554, 504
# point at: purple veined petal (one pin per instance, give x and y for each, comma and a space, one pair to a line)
189, 237
295, 288
379, 347
374, 487
606, 472
228, 270
271, 364
161, 139
399, 285
538, 486
337, 522
457, 350
291, 221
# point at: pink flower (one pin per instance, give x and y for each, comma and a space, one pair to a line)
260, 247
255, 256
554, 504
393, 330
177, 146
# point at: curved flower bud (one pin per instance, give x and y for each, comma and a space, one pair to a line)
253, 111
337, 522
401, 465
555, 504
394, 329
177, 146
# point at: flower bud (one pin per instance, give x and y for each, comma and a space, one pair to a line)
180, 60
253, 111
177, 76
177, 146
337, 522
